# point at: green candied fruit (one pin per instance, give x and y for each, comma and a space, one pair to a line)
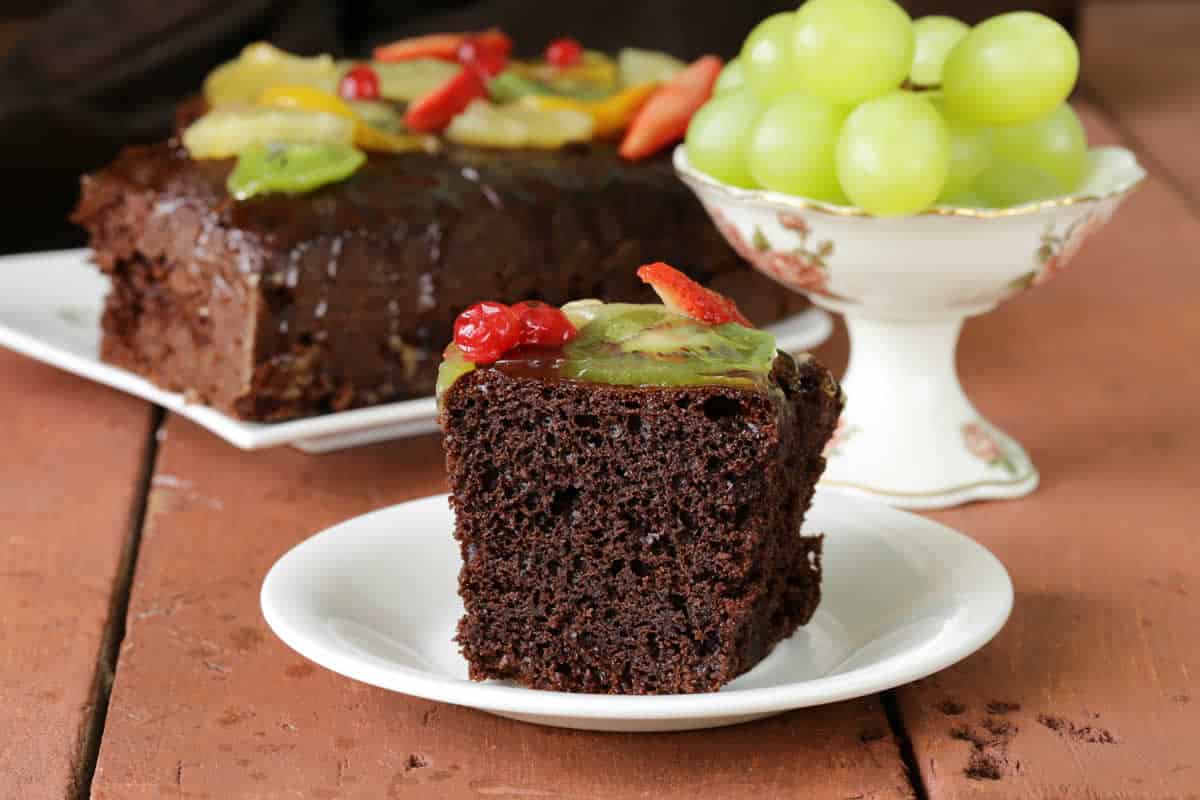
405, 81
292, 167
453, 367
509, 87
619, 327
648, 345
379, 115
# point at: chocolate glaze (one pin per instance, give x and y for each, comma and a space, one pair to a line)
345, 296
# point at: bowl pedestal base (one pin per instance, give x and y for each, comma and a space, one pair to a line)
909, 436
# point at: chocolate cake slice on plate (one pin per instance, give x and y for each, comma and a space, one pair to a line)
628, 504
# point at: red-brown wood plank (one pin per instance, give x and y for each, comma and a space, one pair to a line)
207, 703
1097, 374
1140, 61
71, 474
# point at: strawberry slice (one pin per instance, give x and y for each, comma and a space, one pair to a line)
443, 45
683, 295
434, 110
665, 116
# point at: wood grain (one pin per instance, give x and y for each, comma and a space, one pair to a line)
207, 703
70, 470
1092, 688
1140, 61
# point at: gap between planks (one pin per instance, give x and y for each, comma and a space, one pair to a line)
908, 755
110, 649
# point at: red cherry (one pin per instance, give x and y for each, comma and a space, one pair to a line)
564, 52
486, 331
543, 325
360, 83
487, 57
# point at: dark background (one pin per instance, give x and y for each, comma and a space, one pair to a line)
80, 79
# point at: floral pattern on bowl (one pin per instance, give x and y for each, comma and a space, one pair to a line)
804, 268
982, 444
1058, 248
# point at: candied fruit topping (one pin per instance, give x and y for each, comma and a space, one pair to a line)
564, 52
486, 331
618, 343
683, 295
484, 55
360, 83
543, 325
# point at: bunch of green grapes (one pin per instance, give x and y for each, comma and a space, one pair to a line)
852, 102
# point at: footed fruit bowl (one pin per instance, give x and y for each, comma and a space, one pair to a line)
909, 436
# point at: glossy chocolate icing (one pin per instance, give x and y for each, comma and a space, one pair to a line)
345, 296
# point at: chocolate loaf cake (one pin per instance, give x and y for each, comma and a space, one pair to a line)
289, 305
632, 538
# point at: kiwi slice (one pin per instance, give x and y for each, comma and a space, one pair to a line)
292, 168
648, 345
453, 367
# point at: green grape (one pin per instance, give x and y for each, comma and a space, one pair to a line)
719, 134
732, 77
968, 198
1005, 184
849, 51
935, 37
767, 59
793, 147
970, 153
1010, 69
1055, 144
893, 154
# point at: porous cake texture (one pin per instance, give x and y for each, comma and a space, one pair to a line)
634, 540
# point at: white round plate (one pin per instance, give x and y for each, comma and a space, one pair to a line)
50, 305
375, 599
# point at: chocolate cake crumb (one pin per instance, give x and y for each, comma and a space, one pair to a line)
659, 558
1002, 707
988, 757
1087, 734
1056, 724
984, 766
999, 727
951, 708
962, 733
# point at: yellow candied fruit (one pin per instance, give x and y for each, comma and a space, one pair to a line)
261, 65
596, 70
636, 66
306, 98
226, 132
514, 126
405, 81
609, 116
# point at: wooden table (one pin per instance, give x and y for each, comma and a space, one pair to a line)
134, 662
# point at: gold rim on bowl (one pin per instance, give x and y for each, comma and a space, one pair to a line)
690, 174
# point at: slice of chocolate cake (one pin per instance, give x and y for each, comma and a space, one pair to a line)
629, 505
